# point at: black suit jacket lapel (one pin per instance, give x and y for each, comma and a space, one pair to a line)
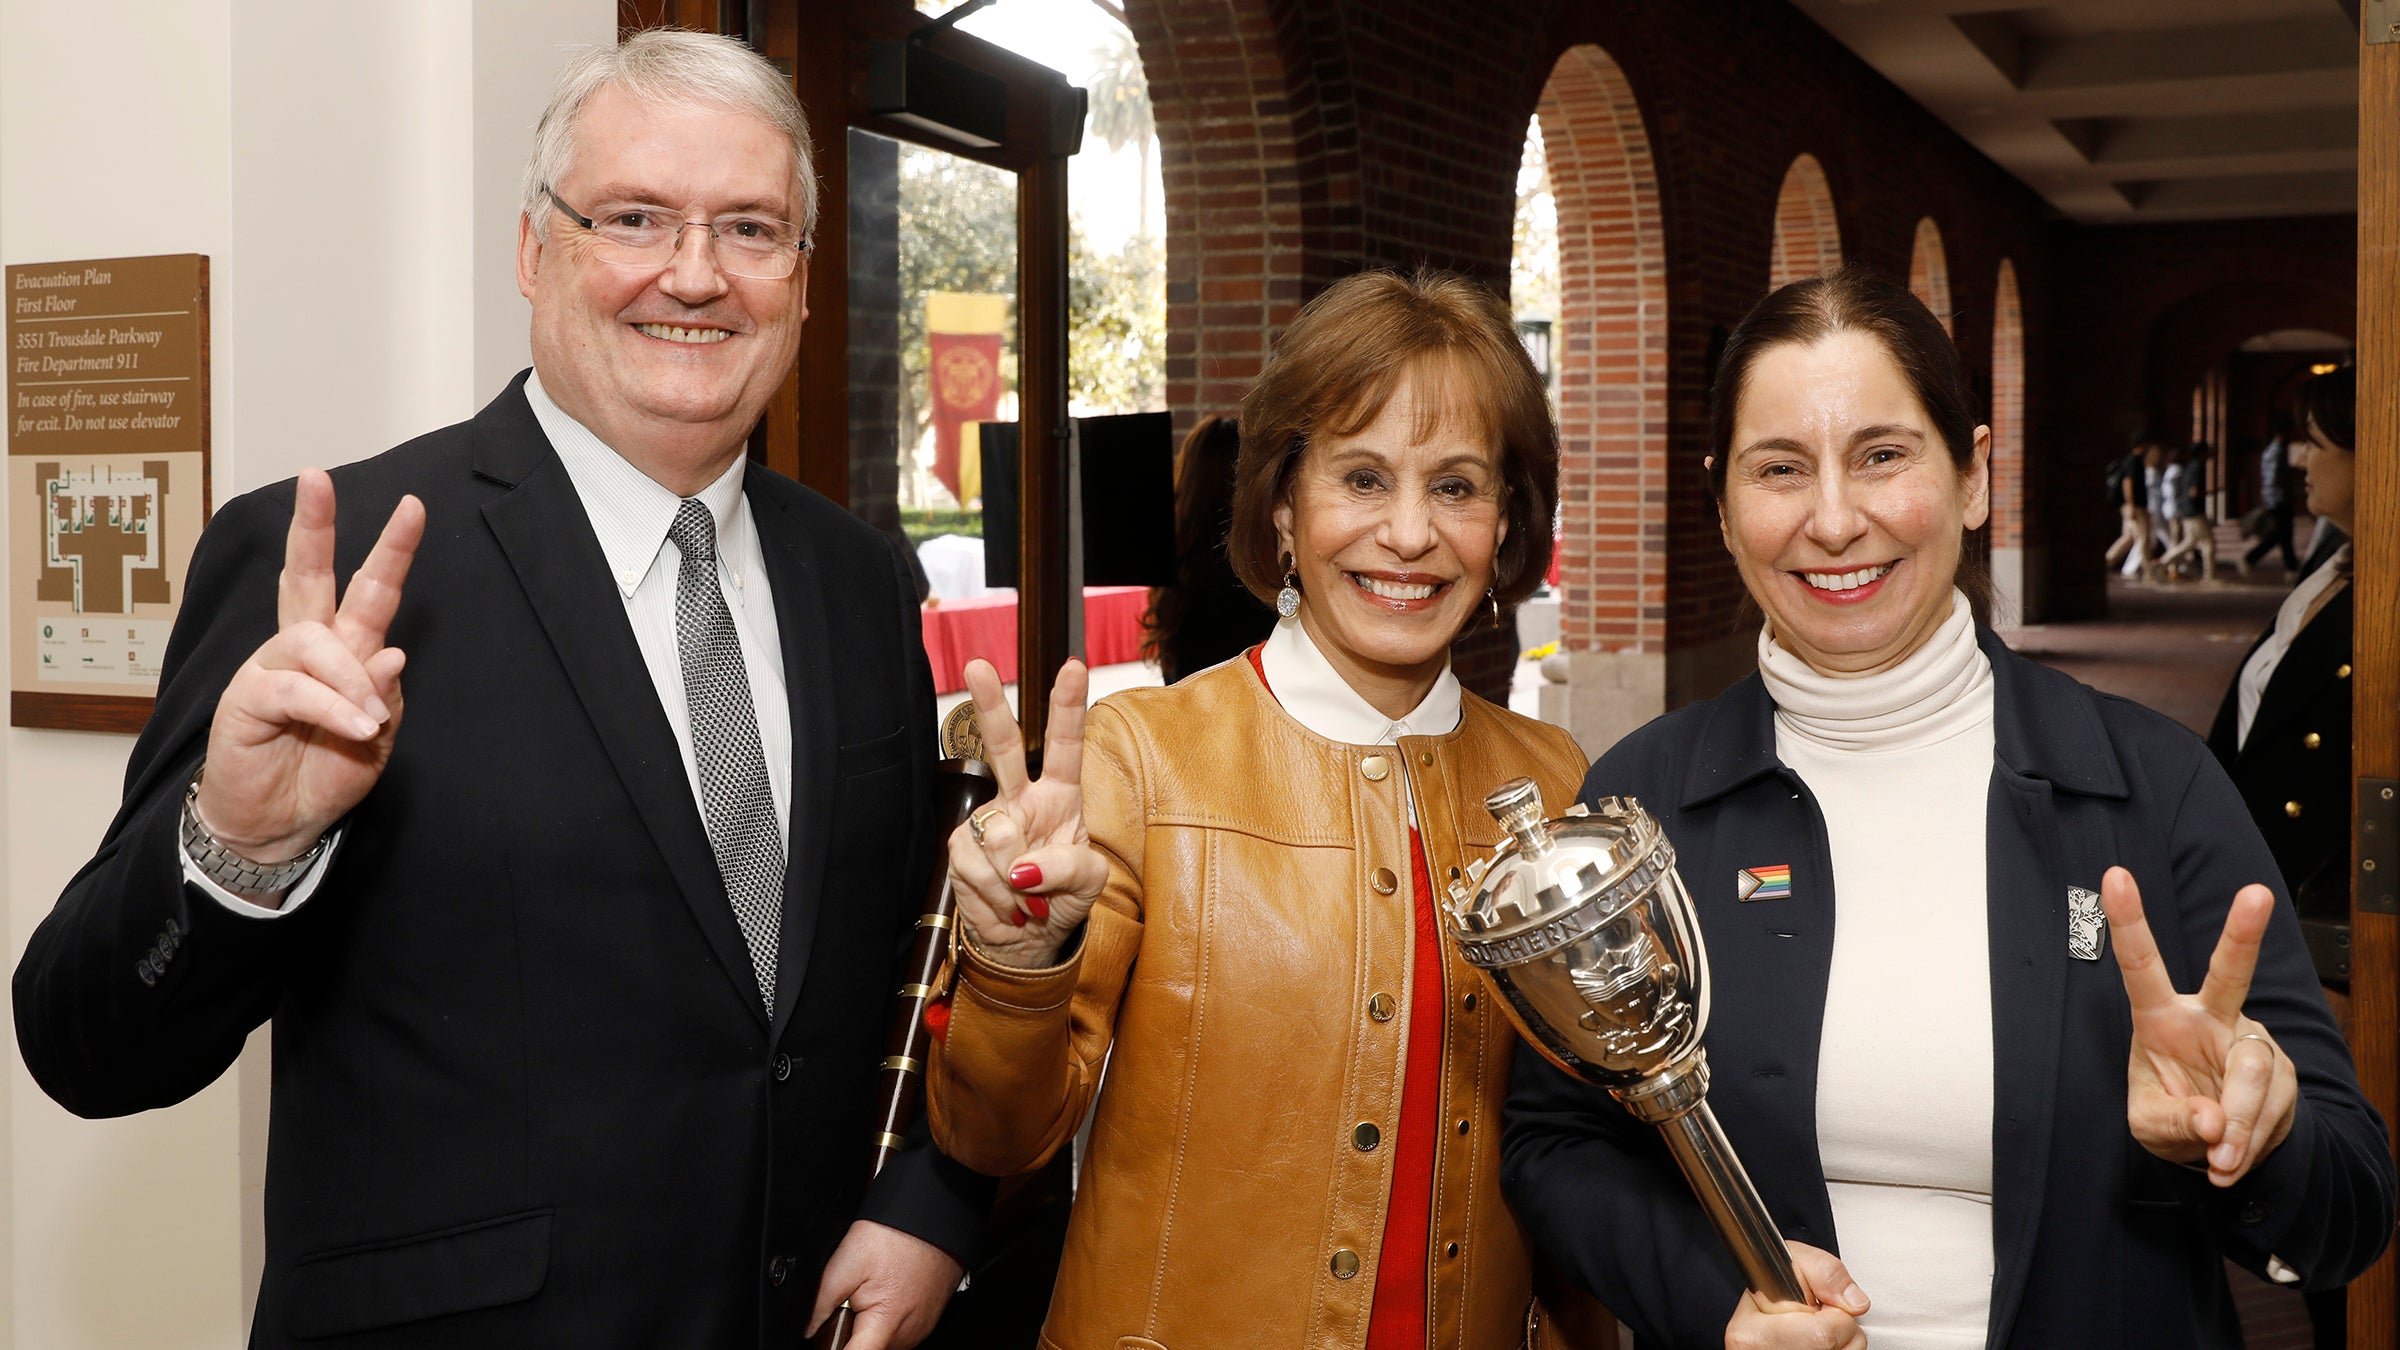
541, 525
798, 585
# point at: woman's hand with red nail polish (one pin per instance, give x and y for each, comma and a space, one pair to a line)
1025, 873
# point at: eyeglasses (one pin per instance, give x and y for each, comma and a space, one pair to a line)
759, 247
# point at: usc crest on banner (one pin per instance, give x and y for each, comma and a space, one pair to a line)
964, 335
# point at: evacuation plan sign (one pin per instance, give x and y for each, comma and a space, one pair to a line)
107, 411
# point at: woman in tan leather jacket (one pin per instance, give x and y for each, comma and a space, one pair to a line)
1222, 892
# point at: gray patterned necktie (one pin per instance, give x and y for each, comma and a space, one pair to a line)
734, 797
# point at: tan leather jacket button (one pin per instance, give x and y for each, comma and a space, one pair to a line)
1383, 880
1469, 1001
1366, 1136
2312, 740
1463, 1126
1382, 1006
1425, 757
2342, 671
1377, 768
2292, 809
1345, 1264
1451, 1251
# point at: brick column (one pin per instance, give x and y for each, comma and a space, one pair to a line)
1611, 350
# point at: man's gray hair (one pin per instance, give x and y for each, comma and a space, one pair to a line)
680, 68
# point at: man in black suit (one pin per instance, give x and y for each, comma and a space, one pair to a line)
579, 982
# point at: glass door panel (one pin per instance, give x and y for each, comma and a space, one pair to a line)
932, 360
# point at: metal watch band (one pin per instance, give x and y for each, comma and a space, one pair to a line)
230, 869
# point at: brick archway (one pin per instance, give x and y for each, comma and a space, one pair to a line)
1808, 238
1929, 272
2009, 590
1612, 364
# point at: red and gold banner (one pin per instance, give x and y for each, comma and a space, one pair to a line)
964, 335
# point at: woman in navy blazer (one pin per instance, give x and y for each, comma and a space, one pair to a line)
2138, 1136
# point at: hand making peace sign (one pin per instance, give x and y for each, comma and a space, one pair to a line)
1024, 871
2204, 1082
305, 727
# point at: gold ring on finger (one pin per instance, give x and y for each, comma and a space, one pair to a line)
975, 823
2259, 1037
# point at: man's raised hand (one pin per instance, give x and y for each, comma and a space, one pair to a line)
306, 725
1023, 869
2204, 1083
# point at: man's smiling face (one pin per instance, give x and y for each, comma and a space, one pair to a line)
670, 365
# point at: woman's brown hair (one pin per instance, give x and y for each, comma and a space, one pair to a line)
1337, 366
1855, 299
2329, 404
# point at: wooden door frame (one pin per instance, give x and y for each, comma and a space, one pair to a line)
2375, 682
806, 431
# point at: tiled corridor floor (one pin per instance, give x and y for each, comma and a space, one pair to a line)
2173, 647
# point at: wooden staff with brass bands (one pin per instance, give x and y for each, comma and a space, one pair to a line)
961, 783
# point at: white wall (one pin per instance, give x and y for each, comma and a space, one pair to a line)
351, 172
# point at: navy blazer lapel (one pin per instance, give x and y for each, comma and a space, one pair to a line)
2047, 737
541, 525
798, 586
1782, 949
2026, 920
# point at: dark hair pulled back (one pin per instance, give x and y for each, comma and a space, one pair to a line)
1855, 299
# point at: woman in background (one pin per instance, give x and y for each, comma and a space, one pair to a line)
1208, 615
2283, 731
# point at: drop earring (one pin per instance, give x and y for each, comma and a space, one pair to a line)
1287, 600
1494, 602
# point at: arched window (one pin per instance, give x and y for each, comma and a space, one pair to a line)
1929, 272
1808, 240
2008, 448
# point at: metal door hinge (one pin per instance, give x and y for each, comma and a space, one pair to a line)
2379, 21
2378, 846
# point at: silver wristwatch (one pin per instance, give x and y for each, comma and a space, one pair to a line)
230, 869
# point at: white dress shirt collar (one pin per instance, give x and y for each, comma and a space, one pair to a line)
1318, 698
630, 511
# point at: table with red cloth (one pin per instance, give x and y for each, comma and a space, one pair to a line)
958, 631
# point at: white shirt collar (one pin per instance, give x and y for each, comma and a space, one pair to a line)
629, 509
1318, 698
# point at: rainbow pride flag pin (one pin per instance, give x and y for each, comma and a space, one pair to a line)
1764, 883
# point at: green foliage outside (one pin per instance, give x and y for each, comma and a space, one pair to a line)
1116, 327
923, 525
958, 232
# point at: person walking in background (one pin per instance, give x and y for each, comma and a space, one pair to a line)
2274, 502
2187, 493
2129, 488
1207, 615
2157, 458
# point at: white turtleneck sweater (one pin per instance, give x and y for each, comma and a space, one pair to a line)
1900, 763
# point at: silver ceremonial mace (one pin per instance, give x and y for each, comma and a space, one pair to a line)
1586, 933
